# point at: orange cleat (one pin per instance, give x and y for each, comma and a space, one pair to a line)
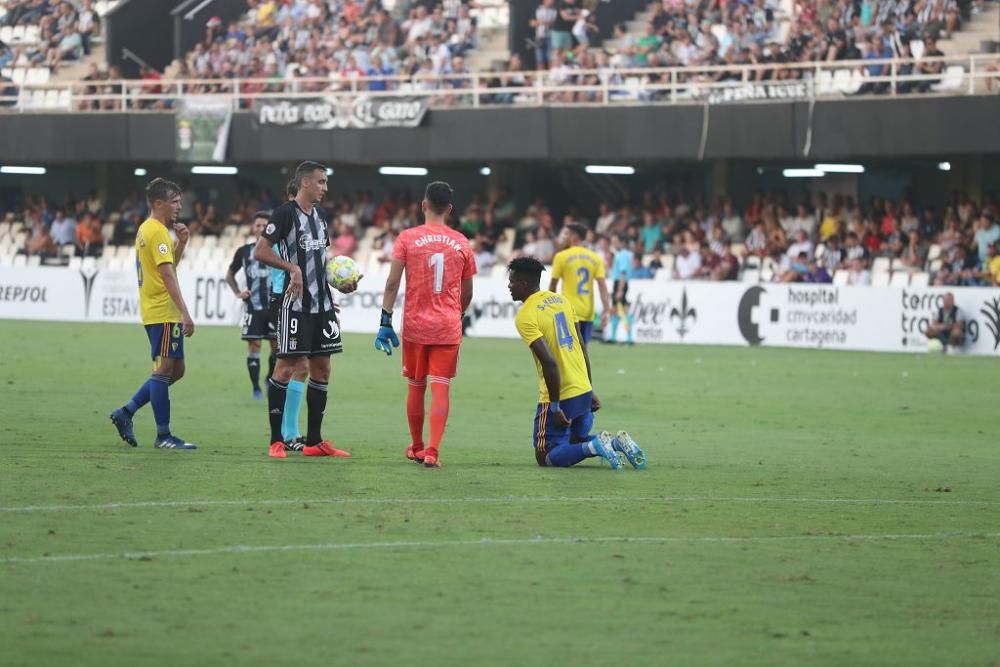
416, 455
277, 450
325, 448
431, 459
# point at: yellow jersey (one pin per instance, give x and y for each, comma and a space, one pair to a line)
153, 246
578, 268
547, 315
995, 268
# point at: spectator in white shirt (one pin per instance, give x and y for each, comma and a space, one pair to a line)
687, 263
804, 220
63, 229
732, 224
801, 244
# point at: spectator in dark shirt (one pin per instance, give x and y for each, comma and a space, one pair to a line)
948, 327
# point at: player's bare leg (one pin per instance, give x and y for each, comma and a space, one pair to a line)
316, 393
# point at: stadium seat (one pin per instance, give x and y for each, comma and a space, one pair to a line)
122, 251
737, 249
933, 252
210, 241
880, 279
840, 277
20, 261
6, 259
900, 279
751, 274
935, 265
219, 255
917, 48
18, 75
75, 262
34, 260
820, 250
108, 252
668, 267
824, 83
921, 279
68, 250
17, 34
881, 265
4, 229
954, 75
7, 34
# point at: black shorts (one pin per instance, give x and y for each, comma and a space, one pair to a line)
306, 334
621, 285
257, 325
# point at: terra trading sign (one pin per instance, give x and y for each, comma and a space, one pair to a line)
342, 112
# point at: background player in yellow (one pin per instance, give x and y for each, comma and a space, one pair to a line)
164, 313
566, 402
579, 268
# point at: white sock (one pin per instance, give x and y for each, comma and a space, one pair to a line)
589, 446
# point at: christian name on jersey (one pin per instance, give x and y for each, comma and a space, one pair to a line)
438, 238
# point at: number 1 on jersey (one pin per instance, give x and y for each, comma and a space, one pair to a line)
563, 335
437, 261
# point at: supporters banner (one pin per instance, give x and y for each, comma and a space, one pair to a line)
887, 319
341, 112
772, 90
203, 128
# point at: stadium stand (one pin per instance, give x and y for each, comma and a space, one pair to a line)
833, 239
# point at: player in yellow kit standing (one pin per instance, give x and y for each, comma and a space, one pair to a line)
566, 403
580, 269
164, 313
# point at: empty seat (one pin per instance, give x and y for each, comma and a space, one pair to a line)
953, 77
933, 252
921, 279
880, 279
34, 260
751, 274
840, 277
900, 279
20, 261
880, 265
75, 262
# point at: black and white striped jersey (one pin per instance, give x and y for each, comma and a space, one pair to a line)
257, 274
301, 238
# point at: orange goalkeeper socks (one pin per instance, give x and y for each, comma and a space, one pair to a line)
415, 412
440, 404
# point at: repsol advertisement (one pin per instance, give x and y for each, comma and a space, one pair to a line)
804, 316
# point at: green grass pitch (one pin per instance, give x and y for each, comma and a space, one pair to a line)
801, 508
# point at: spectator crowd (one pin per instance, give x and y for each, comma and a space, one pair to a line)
65, 32
663, 235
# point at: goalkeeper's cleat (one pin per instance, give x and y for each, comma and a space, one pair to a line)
431, 459
624, 443
414, 454
173, 442
325, 448
605, 448
277, 450
295, 444
123, 422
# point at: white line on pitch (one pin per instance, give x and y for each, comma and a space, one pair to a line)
154, 504
486, 541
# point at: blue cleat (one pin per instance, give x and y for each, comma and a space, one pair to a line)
173, 442
123, 423
604, 445
258, 395
624, 443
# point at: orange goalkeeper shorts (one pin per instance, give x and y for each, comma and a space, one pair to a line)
420, 360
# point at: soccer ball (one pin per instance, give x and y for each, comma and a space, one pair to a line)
341, 270
934, 345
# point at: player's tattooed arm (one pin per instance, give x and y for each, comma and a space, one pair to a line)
550, 372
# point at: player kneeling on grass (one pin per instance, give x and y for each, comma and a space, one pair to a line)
567, 403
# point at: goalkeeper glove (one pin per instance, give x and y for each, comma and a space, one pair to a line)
386, 334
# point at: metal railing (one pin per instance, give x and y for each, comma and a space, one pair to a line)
958, 75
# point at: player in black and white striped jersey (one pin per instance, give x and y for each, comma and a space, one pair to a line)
256, 324
295, 241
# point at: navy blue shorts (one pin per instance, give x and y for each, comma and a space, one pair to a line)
166, 341
548, 435
586, 331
